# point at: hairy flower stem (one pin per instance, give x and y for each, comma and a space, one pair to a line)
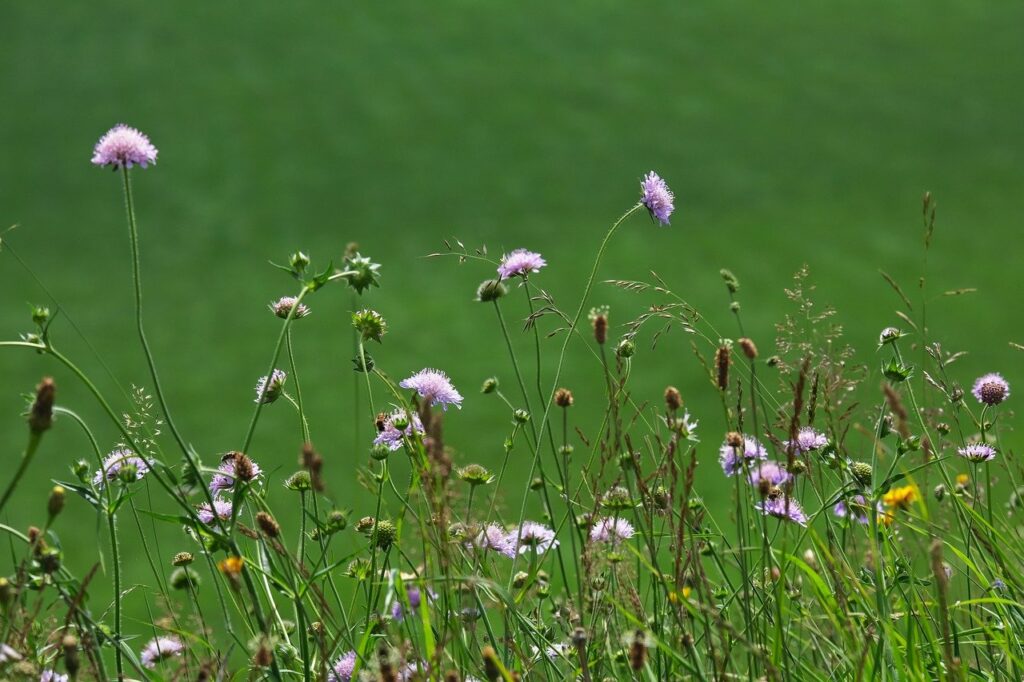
116, 559
137, 282
26, 459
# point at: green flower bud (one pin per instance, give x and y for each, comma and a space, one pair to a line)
490, 290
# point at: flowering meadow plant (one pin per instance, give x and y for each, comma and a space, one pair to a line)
873, 531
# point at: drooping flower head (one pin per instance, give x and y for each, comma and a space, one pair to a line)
611, 530
808, 440
772, 473
534, 537
392, 436
268, 389
977, 452
342, 669
520, 262
222, 508
496, 539
736, 457
657, 197
435, 387
159, 649
991, 389
121, 463
122, 147
783, 507
283, 306
234, 466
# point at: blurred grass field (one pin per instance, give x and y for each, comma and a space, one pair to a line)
791, 134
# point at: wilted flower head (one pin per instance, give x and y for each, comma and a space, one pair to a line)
283, 306
657, 197
733, 459
611, 530
807, 440
121, 463
391, 436
783, 507
520, 262
496, 539
770, 472
158, 649
342, 669
122, 147
267, 391
234, 466
435, 387
977, 452
223, 509
991, 389
534, 536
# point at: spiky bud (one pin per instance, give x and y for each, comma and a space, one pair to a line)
299, 481
370, 325
475, 475
40, 417
490, 385
673, 399
384, 534
617, 498
362, 272
490, 290
861, 472
626, 348
337, 520
520, 416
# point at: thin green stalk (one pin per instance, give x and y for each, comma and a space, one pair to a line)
26, 459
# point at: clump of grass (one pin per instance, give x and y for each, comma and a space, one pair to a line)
864, 540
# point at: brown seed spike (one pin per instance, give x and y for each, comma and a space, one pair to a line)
748, 348
722, 361
41, 417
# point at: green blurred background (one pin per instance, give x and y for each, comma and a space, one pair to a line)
791, 133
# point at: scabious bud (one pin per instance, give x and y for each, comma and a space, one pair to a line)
298, 261
490, 385
362, 272
184, 579
490, 290
299, 481
182, 559
282, 307
475, 475
268, 524
56, 502
370, 325
269, 389
520, 416
40, 417
617, 498
748, 348
626, 348
888, 335
384, 534
673, 399
599, 321
861, 472
337, 520
365, 525
564, 397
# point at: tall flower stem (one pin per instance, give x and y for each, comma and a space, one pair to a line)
116, 559
137, 282
26, 459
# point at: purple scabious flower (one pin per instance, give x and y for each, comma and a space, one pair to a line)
415, 599
496, 539
435, 387
8, 654
283, 306
808, 440
657, 197
991, 389
392, 437
122, 147
50, 675
159, 649
855, 509
223, 509
234, 467
119, 459
733, 461
977, 452
770, 472
268, 389
342, 669
998, 585
520, 262
533, 536
783, 507
611, 530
